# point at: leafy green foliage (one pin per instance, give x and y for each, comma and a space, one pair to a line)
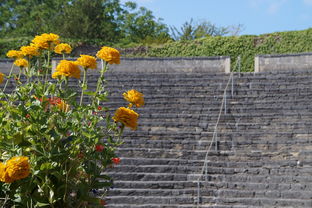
192, 31
106, 20
245, 46
68, 144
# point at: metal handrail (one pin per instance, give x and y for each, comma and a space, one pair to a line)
204, 171
214, 139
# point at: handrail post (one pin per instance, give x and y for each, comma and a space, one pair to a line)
232, 90
216, 142
198, 193
239, 66
206, 171
224, 102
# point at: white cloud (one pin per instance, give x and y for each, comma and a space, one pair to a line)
269, 6
274, 7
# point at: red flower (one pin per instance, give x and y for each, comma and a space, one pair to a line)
102, 202
99, 148
99, 108
116, 160
55, 100
27, 115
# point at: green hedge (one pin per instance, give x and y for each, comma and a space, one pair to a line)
7, 44
246, 46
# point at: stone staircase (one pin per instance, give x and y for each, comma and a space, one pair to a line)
263, 153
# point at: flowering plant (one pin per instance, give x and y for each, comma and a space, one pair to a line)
54, 146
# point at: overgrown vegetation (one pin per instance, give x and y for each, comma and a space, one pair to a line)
246, 46
136, 30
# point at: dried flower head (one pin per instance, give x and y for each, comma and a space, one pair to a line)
63, 106
110, 55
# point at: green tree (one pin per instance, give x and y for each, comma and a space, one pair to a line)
91, 19
29, 17
191, 30
139, 24
107, 20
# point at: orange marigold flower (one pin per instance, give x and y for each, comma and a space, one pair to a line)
18, 167
87, 62
1, 77
127, 117
57, 75
116, 160
134, 97
63, 48
14, 54
30, 51
46, 41
68, 69
21, 62
110, 55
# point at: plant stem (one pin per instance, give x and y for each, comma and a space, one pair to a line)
9, 77
100, 80
63, 56
46, 71
83, 84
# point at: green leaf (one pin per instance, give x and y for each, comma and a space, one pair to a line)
40, 204
90, 93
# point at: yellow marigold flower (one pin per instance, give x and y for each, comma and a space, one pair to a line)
63, 48
127, 117
30, 51
68, 69
134, 97
63, 106
1, 77
4, 176
87, 62
14, 54
46, 41
57, 75
110, 55
18, 167
21, 62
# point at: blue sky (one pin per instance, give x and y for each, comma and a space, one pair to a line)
257, 16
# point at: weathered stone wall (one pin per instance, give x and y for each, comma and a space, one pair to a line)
175, 64
278, 62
